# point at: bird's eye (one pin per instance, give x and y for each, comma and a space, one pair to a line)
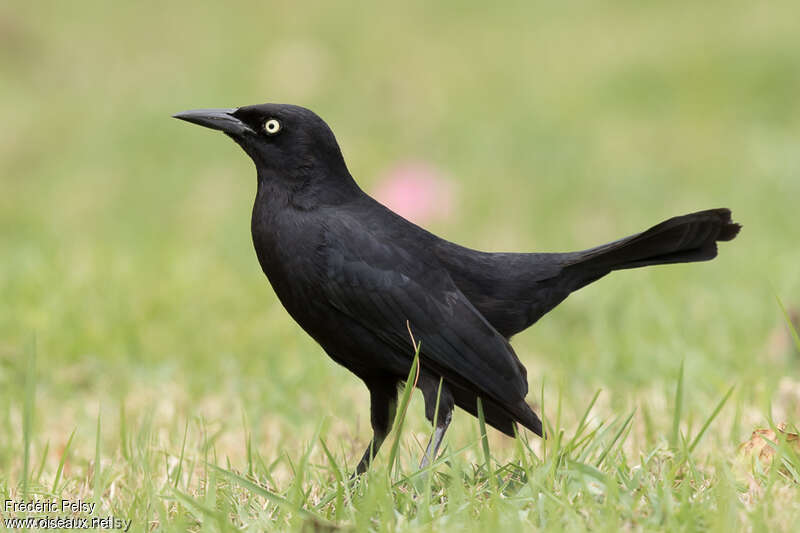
272, 126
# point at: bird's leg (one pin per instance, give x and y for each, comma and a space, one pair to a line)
383, 404
439, 410
369, 454
436, 440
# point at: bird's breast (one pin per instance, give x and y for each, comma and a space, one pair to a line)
286, 245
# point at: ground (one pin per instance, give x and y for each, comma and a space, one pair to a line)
146, 365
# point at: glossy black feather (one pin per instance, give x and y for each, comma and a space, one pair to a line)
356, 276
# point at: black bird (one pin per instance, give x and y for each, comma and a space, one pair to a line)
356, 276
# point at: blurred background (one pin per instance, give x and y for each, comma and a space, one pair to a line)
126, 264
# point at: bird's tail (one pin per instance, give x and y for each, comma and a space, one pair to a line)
683, 239
498, 415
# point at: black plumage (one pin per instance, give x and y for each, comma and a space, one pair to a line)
357, 276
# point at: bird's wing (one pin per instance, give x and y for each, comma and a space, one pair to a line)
384, 284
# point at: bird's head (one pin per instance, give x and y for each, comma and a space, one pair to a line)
293, 148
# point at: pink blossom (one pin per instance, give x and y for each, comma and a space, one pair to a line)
417, 191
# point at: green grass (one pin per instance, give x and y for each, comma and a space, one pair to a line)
145, 363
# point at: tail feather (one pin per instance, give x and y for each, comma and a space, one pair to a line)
682, 239
500, 416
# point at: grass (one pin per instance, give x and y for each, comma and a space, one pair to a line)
146, 365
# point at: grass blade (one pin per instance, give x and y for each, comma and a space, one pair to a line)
338, 473
487, 458
582, 423
183, 452
676, 418
711, 418
614, 440
200, 508
547, 428
123, 432
97, 463
41, 463
400, 416
300, 473
276, 499
789, 324
62, 460
27, 414
436, 409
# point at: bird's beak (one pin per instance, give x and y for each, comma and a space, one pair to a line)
216, 119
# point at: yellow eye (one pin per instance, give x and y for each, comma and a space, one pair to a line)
272, 126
